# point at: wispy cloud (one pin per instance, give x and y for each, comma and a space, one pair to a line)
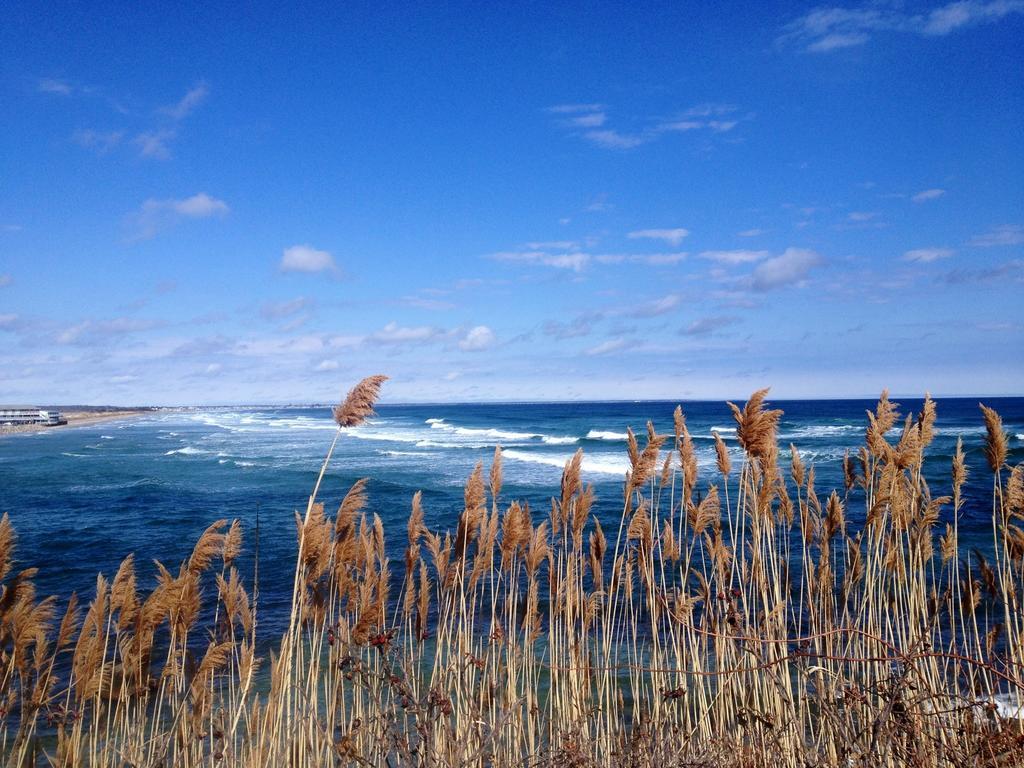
92, 332
705, 326
606, 347
750, 232
661, 306
739, 256
1012, 271
52, 85
789, 268
928, 194
1006, 234
282, 309
393, 333
827, 29
188, 103
326, 365
155, 144
671, 236
648, 259
5, 280
100, 141
589, 121
306, 258
582, 325
927, 255
478, 338
569, 260
156, 215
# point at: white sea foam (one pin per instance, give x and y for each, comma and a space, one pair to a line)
416, 454
600, 434
188, 450
106, 437
553, 440
1020, 435
434, 421
599, 464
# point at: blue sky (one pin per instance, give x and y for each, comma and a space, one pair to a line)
217, 204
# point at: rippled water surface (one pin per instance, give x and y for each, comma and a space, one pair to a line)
82, 498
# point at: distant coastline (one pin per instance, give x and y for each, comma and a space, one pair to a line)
76, 419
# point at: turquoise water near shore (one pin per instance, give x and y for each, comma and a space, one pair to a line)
83, 498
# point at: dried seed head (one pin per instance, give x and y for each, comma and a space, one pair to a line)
358, 405
722, 455
995, 439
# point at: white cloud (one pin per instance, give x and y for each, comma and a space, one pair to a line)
606, 347
593, 120
155, 143
306, 258
8, 321
5, 280
650, 259
739, 256
928, 194
612, 139
1006, 234
557, 245
791, 267
708, 325
393, 333
213, 368
568, 109
50, 85
155, 215
926, 255
100, 141
948, 18
751, 232
661, 306
200, 206
573, 261
828, 29
480, 337
326, 365
671, 236
859, 217
277, 310
192, 99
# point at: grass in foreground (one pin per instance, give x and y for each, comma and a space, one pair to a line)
740, 619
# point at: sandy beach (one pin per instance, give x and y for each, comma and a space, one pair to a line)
75, 419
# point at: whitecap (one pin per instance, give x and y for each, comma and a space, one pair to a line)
554, 440
600, 434
599, 464
106, 437
188, 450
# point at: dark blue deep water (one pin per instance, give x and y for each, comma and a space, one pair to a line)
82, 498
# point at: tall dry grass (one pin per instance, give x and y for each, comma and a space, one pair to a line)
736, 619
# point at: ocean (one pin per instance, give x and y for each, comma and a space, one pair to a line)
83, 498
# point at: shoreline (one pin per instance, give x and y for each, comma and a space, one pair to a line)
75, 419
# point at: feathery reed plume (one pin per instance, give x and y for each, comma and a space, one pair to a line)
495, 477
232, 543
796, 467
755, 426
959, 468
995, 438
357, 406
926, 421
722, 460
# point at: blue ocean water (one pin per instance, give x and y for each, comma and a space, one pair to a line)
82, 498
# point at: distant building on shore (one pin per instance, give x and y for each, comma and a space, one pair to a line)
30, 414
